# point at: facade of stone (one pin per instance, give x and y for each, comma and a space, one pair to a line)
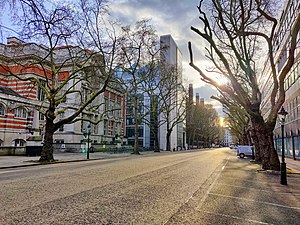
20, 121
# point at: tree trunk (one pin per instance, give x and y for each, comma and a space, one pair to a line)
245, 140
168, 147
136, 126
156, 136
156, 144
268, 154
255, 139
169, 131
47, 151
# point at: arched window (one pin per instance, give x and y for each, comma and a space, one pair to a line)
20, 112
19, 142
2, 110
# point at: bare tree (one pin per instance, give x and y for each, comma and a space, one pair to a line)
235, 32
237, 120
139, 53
204, 127
172, 99
67, 68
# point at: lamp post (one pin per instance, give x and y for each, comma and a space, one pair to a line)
282, 115
87, 133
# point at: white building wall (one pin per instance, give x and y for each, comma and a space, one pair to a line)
173, 56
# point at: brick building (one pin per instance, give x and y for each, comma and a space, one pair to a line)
23, 103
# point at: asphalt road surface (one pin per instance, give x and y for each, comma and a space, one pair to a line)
161, 188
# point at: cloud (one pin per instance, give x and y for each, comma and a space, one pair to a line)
173, 17
206, 91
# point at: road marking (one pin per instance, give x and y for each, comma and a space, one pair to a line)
235, 217
250, 200
277, 192
206, 194
211, 186
256, 181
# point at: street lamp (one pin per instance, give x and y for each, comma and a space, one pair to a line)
87, 133
282, 115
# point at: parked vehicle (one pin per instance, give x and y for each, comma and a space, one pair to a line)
245, 150
233, 146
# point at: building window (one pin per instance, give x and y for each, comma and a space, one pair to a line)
41, 93
19, 142
94, 128
86, 94
105, 127
20, 112
61, 128
41, 116
2, 110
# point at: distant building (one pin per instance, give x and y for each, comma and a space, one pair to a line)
202, 101
197, 99
228, 139
191, 90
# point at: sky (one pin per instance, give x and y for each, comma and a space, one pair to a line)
173, 17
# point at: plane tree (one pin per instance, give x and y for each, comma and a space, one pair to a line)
235, 33
204, 126
139, 56
171, 99
238, 121
77, 62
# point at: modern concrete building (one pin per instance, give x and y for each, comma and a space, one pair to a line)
292, 81
173, 56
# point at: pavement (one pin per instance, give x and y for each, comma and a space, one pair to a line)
239, 195
7, 162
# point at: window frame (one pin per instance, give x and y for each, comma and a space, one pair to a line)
20, 112
2, 107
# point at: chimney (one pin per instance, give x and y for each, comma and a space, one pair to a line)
191, 94
197, 99
13, 41
202, 101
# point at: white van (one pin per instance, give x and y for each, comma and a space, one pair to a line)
245, 150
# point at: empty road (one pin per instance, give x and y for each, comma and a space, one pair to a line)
190, 187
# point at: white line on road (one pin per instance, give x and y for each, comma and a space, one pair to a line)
277, 192
235, 217
211, 186
250, 200
206, 194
